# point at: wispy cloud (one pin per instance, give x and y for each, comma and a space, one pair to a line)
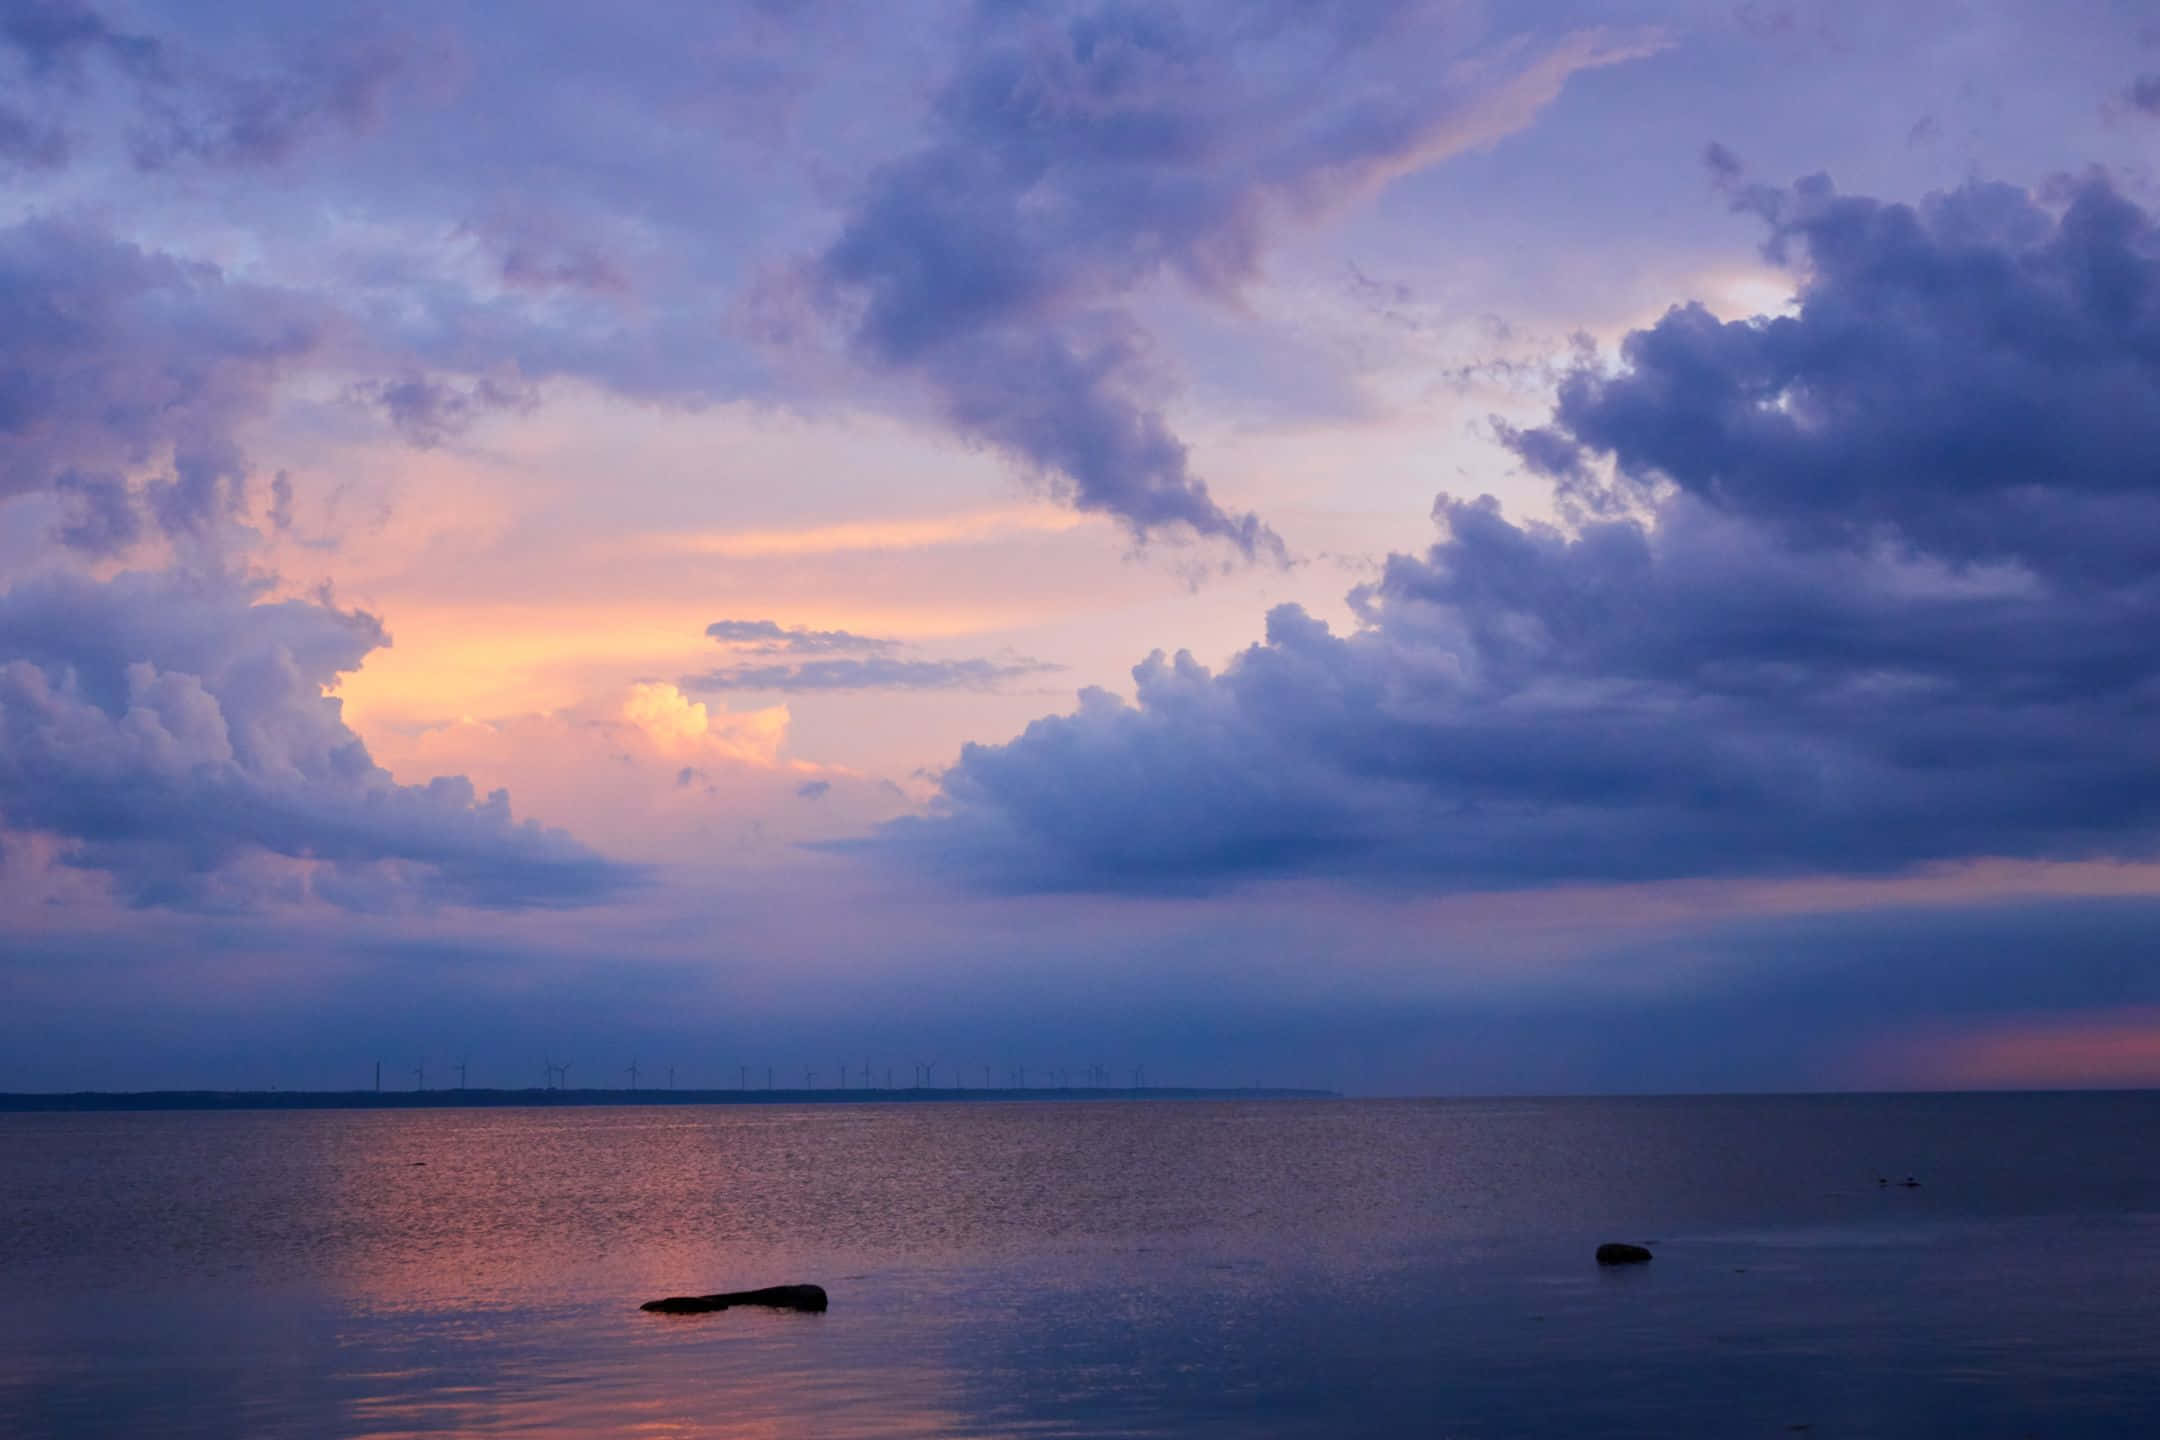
872, 673
769, 637
972, 528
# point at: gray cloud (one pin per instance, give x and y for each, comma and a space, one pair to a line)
769, 637
1849, 590
173, 732
58, 39
873, 673
1972, 378
428, 410
1078, 153
29, 144
114, 359
176, 105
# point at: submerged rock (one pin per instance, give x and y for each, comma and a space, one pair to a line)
1614, 1252
810, 1298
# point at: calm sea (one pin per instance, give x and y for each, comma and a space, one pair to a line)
1177, 1269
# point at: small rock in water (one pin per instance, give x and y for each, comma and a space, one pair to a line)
1614, 1252
809, 1298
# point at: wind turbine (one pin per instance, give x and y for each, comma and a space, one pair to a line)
420, 1075
460, 1068
631, 1070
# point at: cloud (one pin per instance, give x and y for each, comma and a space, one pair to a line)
429, 410
2144, 94
1971, 379
1078, 154
874, 673
58, 38
1848, 590
975, 528
878, 670
654, 776
178, 106
174, 733
770, 638
672, 721
28, 144
118, 362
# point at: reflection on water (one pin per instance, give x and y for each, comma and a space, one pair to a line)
1172, 1269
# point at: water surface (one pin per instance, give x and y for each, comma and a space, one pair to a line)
1274, 1268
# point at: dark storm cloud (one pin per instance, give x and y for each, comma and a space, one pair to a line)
769, 637
1857, 588
173, 733
114, 358
1079, 153
873, 673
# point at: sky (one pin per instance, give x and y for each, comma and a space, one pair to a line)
1416, 548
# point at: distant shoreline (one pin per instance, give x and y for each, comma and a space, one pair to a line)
93, 1100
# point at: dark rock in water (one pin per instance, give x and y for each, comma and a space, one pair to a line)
810, 1298
1615, 1253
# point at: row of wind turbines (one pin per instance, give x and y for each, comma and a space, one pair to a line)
555, 1075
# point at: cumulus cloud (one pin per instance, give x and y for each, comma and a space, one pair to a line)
173, 732
1852, 589
1079, 153
872, 673
117, 361
1973, 379
655, 776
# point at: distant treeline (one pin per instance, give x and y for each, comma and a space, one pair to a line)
456, 1099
